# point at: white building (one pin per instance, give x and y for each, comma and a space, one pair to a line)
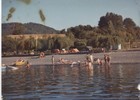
116, 47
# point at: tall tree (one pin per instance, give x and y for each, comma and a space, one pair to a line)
128, 23
117, 21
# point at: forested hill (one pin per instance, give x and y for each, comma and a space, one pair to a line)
28, 28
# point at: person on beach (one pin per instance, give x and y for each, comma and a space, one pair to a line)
52, 60
103, 50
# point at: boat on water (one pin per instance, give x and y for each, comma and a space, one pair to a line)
20, 63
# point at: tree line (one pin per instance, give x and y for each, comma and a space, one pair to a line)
112, 29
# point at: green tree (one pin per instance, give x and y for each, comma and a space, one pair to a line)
116, 20
30, 44
50, 43
63, 42
8, 44
41, 46
70, 35
94, 42
80, 44
128, 23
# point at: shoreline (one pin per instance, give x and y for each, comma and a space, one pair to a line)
117, 57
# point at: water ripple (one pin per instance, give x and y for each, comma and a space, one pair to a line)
72, 83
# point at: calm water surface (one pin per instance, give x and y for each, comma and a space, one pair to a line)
119, 81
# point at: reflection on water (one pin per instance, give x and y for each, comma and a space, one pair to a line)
118, 81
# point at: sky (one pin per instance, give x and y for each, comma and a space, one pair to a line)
63, 14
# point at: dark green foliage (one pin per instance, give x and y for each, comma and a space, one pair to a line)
80, 44
112, 30
128, 23
70, 35
50, 43
63, 43
111, 18
8, 44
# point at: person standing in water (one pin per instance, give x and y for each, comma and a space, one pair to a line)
105, 58
108, 59
99, 61
52, 60
91, 58
28, 64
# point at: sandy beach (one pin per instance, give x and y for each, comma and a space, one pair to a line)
116, 57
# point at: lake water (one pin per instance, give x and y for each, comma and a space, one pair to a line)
119, 81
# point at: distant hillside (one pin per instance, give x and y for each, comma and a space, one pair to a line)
28, 28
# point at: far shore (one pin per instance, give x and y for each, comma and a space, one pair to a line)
116, 57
